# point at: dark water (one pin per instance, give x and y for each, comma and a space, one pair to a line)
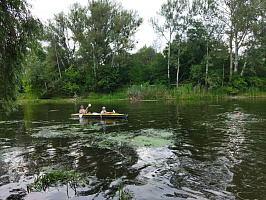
164, 150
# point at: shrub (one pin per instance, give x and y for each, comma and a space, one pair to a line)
231, 90
239, 83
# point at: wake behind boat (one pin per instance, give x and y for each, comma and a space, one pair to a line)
99, 115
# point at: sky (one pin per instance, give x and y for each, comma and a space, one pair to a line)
45, 9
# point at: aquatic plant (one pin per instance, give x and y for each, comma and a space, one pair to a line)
54, 178
124, 194
147, 137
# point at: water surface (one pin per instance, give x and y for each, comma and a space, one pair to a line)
163, 150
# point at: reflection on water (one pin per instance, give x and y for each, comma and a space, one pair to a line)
100, 124
164, 150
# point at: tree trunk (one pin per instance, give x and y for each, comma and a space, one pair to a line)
94, 67
245, 64
168, 64
207, 68
236, 52
59, 70
178, 67
231, 53
223, 75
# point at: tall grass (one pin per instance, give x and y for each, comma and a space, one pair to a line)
156, 92
149, 92
188, 91
121, 94
161, 92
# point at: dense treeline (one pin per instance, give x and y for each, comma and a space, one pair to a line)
212, 46
18, 31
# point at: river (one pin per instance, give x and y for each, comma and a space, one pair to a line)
163, 150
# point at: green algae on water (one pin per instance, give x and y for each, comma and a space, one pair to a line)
148, 138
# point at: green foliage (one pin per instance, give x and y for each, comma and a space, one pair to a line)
71, 80
136, 72
185, 89
87, 52
256, 82
94, 95
101, 34
142, 66
231, 90
108, 79
18, 33
214, 81
53, 178
35, 79
197, 72
124, 194
239, 83
148, 92
159, 69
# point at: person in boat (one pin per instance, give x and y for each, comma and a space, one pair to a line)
82, 110
105, 112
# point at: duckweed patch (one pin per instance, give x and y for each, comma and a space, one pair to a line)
92, 138
149, 138
60, 131
150, 142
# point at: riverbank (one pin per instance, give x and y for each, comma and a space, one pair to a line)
81, 100
154, 93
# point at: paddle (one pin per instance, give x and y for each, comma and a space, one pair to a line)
89, 105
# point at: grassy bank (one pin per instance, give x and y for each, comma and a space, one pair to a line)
187, 92
158, 92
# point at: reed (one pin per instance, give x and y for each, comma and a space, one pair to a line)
53, 178
148, 92
124, 194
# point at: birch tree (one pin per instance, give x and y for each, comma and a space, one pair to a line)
206, 12
238, 21
171, 14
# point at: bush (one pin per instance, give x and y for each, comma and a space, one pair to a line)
239, 83
231, 90
255, 82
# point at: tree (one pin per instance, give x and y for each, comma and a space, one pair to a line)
18, 32
35, 80
108, 35
59, 36
91, 39
254, 54
141, 65
205, 11
172, 14
238, 20
178, 48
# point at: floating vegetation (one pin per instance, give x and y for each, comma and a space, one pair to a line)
150, 142
56, 131
147, 138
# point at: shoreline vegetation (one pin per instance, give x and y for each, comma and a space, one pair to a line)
69, 58
153, 93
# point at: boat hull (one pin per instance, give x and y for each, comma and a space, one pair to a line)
98, 115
